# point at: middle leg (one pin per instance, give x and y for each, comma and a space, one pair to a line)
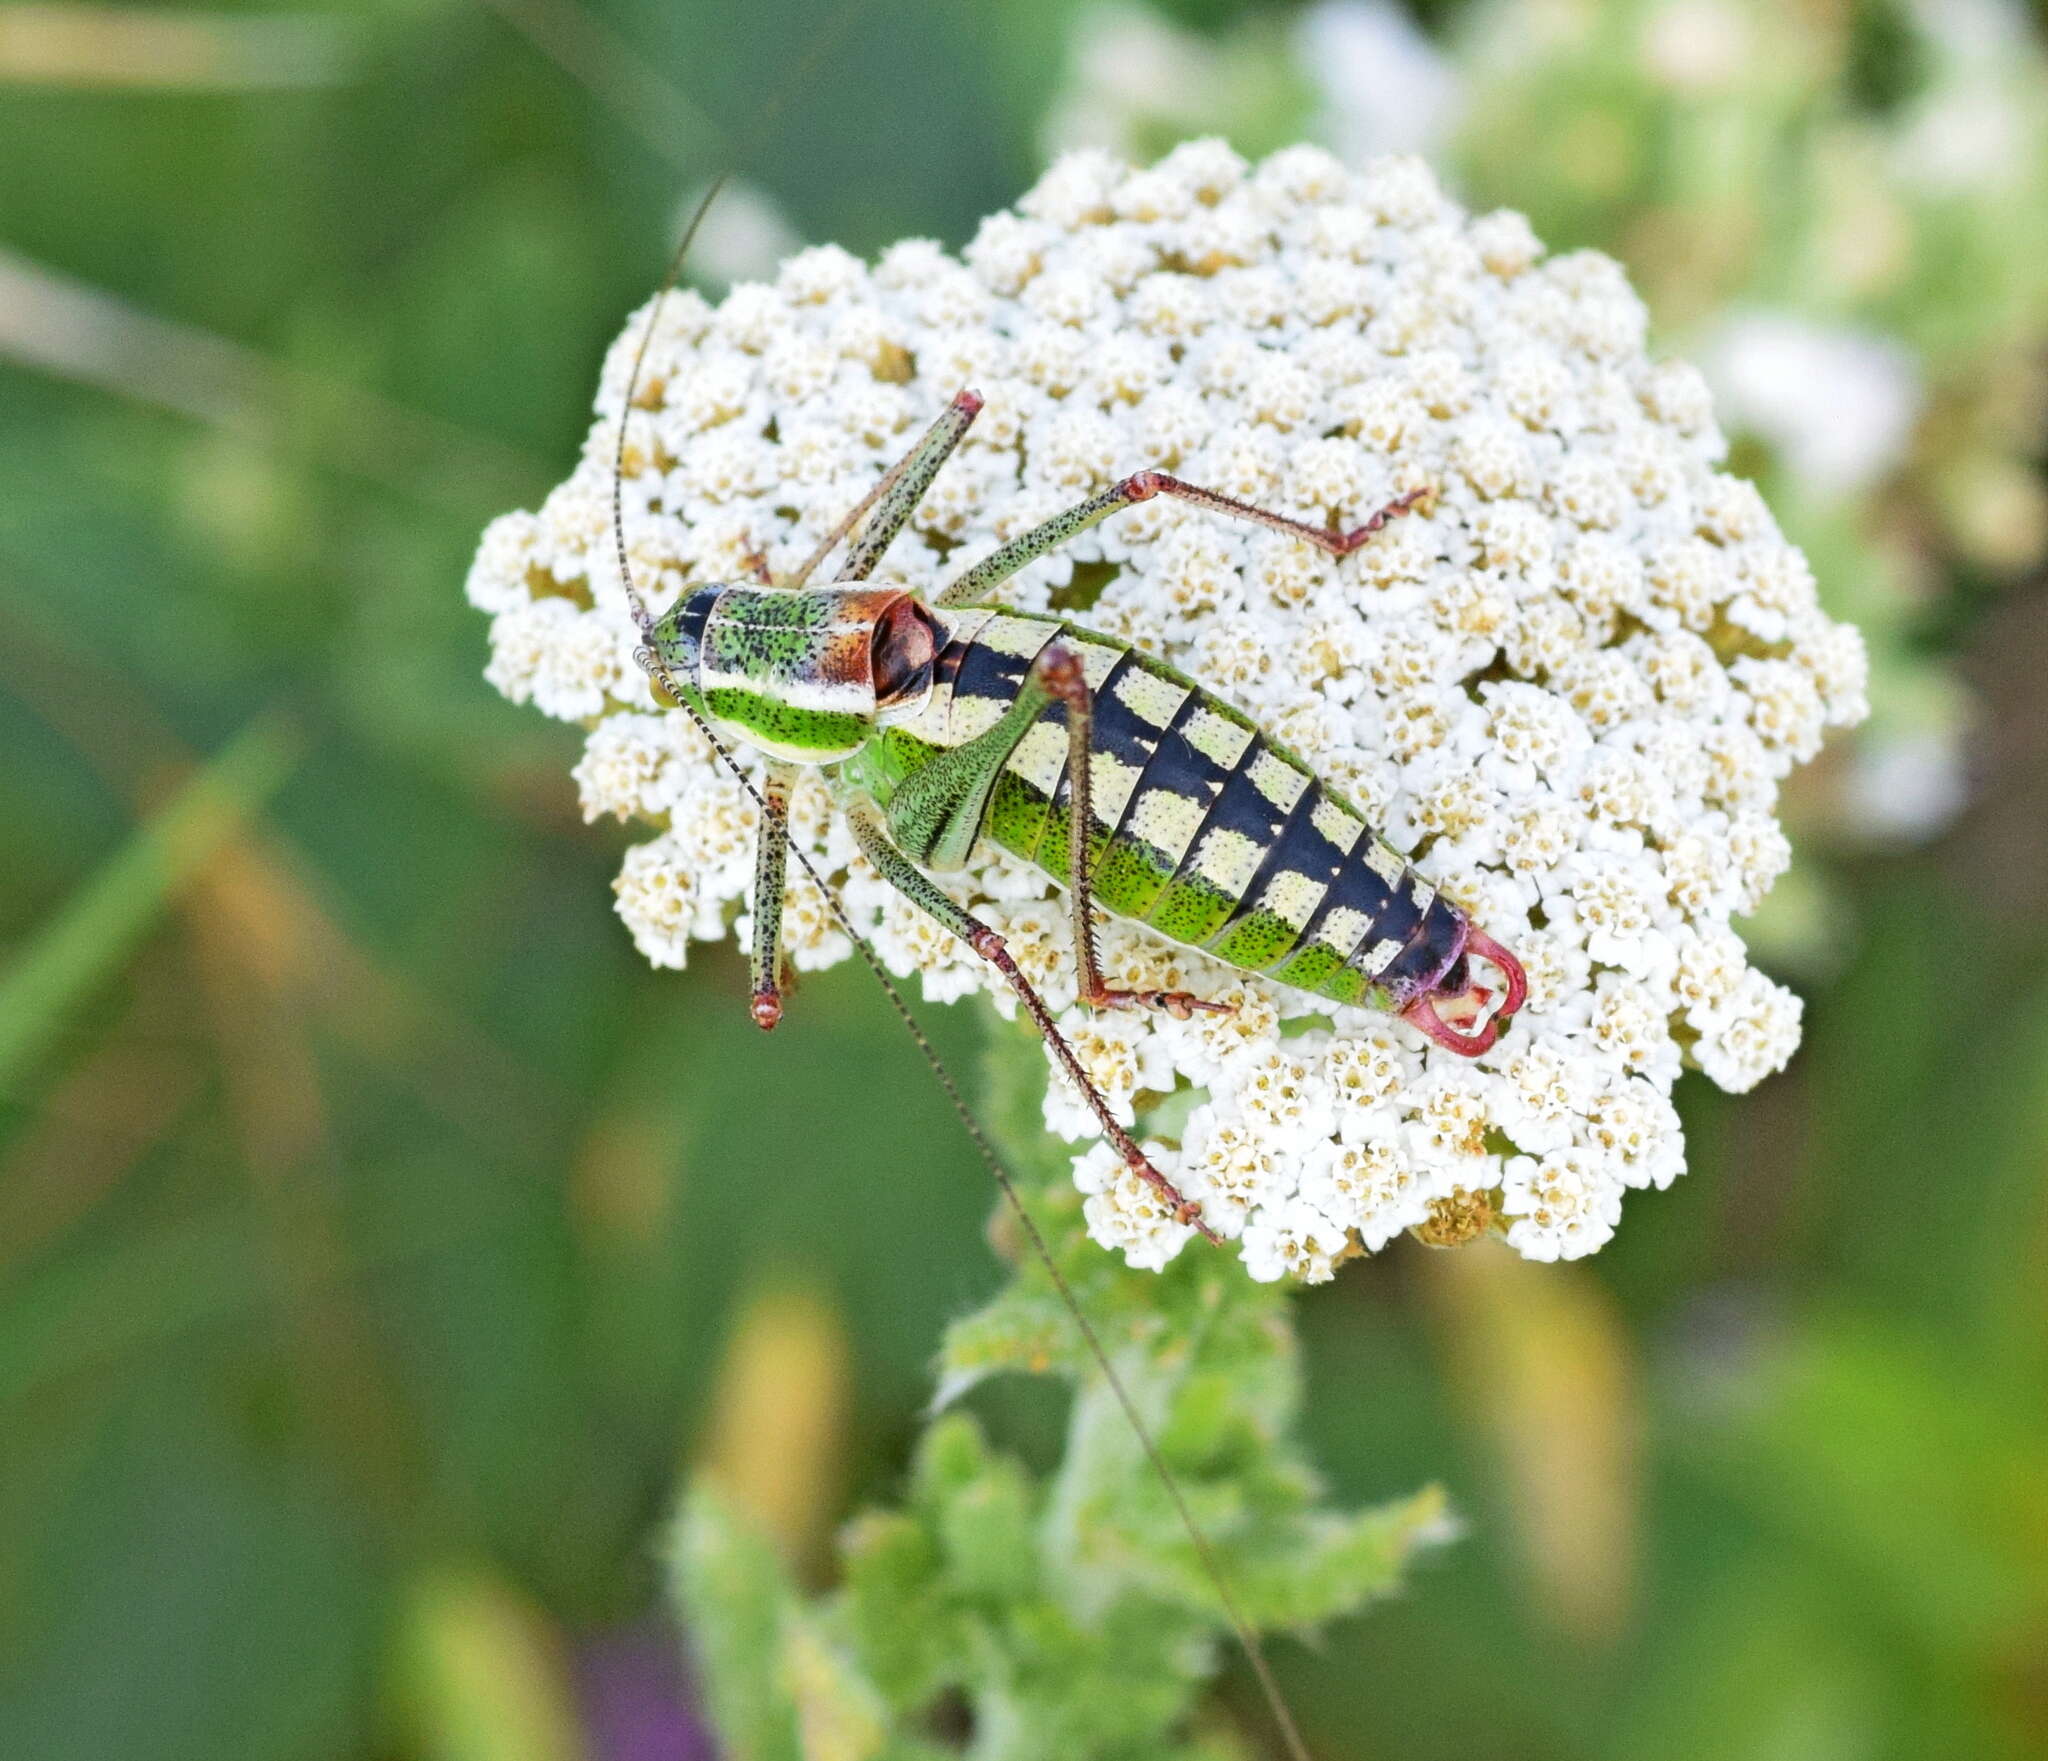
999, 566
771, 876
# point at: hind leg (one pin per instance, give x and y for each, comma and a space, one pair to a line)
1059, 672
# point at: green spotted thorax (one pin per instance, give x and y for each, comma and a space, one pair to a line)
800, 675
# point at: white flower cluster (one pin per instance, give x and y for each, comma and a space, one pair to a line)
1571, 682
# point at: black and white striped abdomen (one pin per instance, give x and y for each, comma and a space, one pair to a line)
1202, 828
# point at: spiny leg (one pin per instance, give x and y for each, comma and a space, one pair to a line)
925, 893
899, 490
1002, 564
896, 507
771, 873
1059, 671
854, 515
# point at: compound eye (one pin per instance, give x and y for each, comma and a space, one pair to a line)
906, 642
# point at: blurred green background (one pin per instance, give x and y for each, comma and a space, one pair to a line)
380, 1239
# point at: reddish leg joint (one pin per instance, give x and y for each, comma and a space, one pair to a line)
1059, 670
1401, 504
1185, 1210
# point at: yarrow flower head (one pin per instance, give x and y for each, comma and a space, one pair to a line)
1570, 682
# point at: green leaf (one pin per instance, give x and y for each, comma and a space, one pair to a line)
1337, 1565
898, 1609
781, 1684
988, 1531
734, 1598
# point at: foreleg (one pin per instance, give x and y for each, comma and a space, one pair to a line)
896, 496
771, 874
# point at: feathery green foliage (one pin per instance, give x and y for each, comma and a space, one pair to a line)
1065, 1613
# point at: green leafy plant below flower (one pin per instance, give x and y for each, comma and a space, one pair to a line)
1064, 1615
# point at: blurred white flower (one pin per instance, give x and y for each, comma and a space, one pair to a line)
1386, 88
744, 236
1838, 404
1127, 64
1977, 126
1698, 46
1909, 786
1572, 682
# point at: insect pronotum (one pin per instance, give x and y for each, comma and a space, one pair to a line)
943, 721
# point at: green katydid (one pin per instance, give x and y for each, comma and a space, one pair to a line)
940, 723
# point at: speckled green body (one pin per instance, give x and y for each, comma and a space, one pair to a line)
1202, 828
789, 673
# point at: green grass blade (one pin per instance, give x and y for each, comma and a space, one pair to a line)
110, 914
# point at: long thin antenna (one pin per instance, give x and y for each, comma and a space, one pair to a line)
642, 618
648, 656
765, 118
